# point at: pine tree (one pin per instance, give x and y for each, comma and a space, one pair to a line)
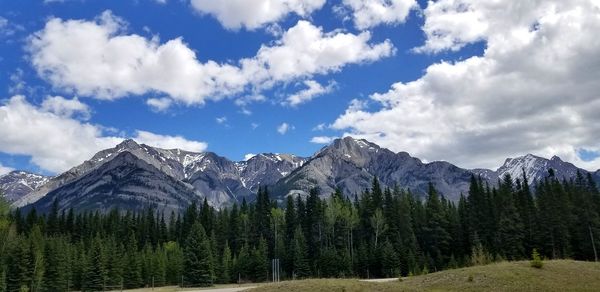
18, 263
94, 272
226, 265
301, 267
437, 238
389, 259
174, 266
198, 264
510, 227
132, 274
56, 269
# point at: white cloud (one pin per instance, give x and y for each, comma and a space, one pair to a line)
4, 169
159, 104
66, 107
57, 142
18, 83
8, 28
535, 89
169, 142
96, 58
284, 128
235, 14
370, 13
320, 127
248, 156
322, 139
312, 90
221, 120
254, 126
305, 50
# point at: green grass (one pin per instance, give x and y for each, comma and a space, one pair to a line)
558, 275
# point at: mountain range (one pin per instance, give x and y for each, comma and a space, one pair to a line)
134, 176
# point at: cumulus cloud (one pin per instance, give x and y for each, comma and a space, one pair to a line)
98, 59
322, 139
66, 107
56, 140
4, 169
169, 142
159, 104
370, 13
534, 90
284, 128
235, 14
312, 90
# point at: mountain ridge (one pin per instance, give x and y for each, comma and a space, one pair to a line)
347, 163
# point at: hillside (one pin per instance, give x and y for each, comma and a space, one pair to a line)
557, 275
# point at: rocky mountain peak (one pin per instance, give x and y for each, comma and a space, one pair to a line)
128, 144
17, 184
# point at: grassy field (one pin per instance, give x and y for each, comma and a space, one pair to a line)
560, 275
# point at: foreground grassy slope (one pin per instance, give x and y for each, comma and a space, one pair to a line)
560, 275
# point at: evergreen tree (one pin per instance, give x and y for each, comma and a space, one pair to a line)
198, 263
437, 238
56, 273
226, 265
18, 263
94, 272
510, 229
301, 267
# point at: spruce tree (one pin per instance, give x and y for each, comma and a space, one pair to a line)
437, 238
301, 267
226, 265
56, 269
198, 263
510, 227
94, 272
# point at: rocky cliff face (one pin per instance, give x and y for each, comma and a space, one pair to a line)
176, 176
135, 176
351, 165
17, 184
535, 167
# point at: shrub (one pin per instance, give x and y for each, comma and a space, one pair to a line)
479, 256
470, 279
536, 260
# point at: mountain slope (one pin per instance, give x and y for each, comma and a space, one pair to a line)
17, 184
125, 182
211, 176
535, 167
351, 165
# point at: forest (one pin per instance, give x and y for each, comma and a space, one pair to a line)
382, 232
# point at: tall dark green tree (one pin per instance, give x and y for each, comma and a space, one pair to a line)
198, 259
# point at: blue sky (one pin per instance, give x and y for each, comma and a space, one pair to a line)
251, 127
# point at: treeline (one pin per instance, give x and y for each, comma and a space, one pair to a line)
379, 233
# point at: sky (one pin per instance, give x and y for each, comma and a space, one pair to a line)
466, 81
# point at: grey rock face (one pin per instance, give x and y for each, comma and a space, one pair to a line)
535, 167
16, 184
205, 175
351, 165
267, 169
135, 176
125, 182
